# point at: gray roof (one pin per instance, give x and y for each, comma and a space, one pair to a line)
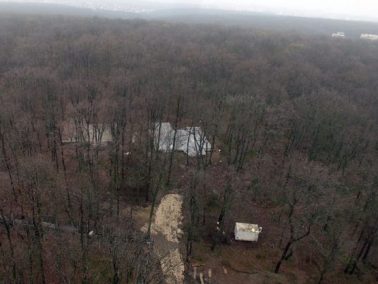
190, 140
95, 134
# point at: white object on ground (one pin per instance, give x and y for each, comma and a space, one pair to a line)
247, 232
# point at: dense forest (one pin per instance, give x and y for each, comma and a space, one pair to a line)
292, 120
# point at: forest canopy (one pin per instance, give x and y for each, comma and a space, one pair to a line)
292, 119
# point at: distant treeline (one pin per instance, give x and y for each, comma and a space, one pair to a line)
352, 29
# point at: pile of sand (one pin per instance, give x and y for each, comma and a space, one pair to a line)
168, 217
168, 222
173, 267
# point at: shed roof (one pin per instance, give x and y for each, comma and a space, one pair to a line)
246, 227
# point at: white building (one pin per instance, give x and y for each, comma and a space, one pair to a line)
338, 35
163, 136
95, 134
190, 140
247, 232
369, 36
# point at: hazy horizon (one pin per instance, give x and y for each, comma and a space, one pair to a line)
336, 9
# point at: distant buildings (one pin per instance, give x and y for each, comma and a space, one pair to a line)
372, 37
338, 35
369, 36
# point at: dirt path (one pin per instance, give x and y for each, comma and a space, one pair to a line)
166, 231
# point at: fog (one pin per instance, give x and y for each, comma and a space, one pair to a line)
341, 9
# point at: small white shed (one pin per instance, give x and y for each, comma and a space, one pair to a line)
247, 232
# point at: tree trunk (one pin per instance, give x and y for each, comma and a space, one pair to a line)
283, 256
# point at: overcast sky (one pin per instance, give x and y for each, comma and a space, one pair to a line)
354, 9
